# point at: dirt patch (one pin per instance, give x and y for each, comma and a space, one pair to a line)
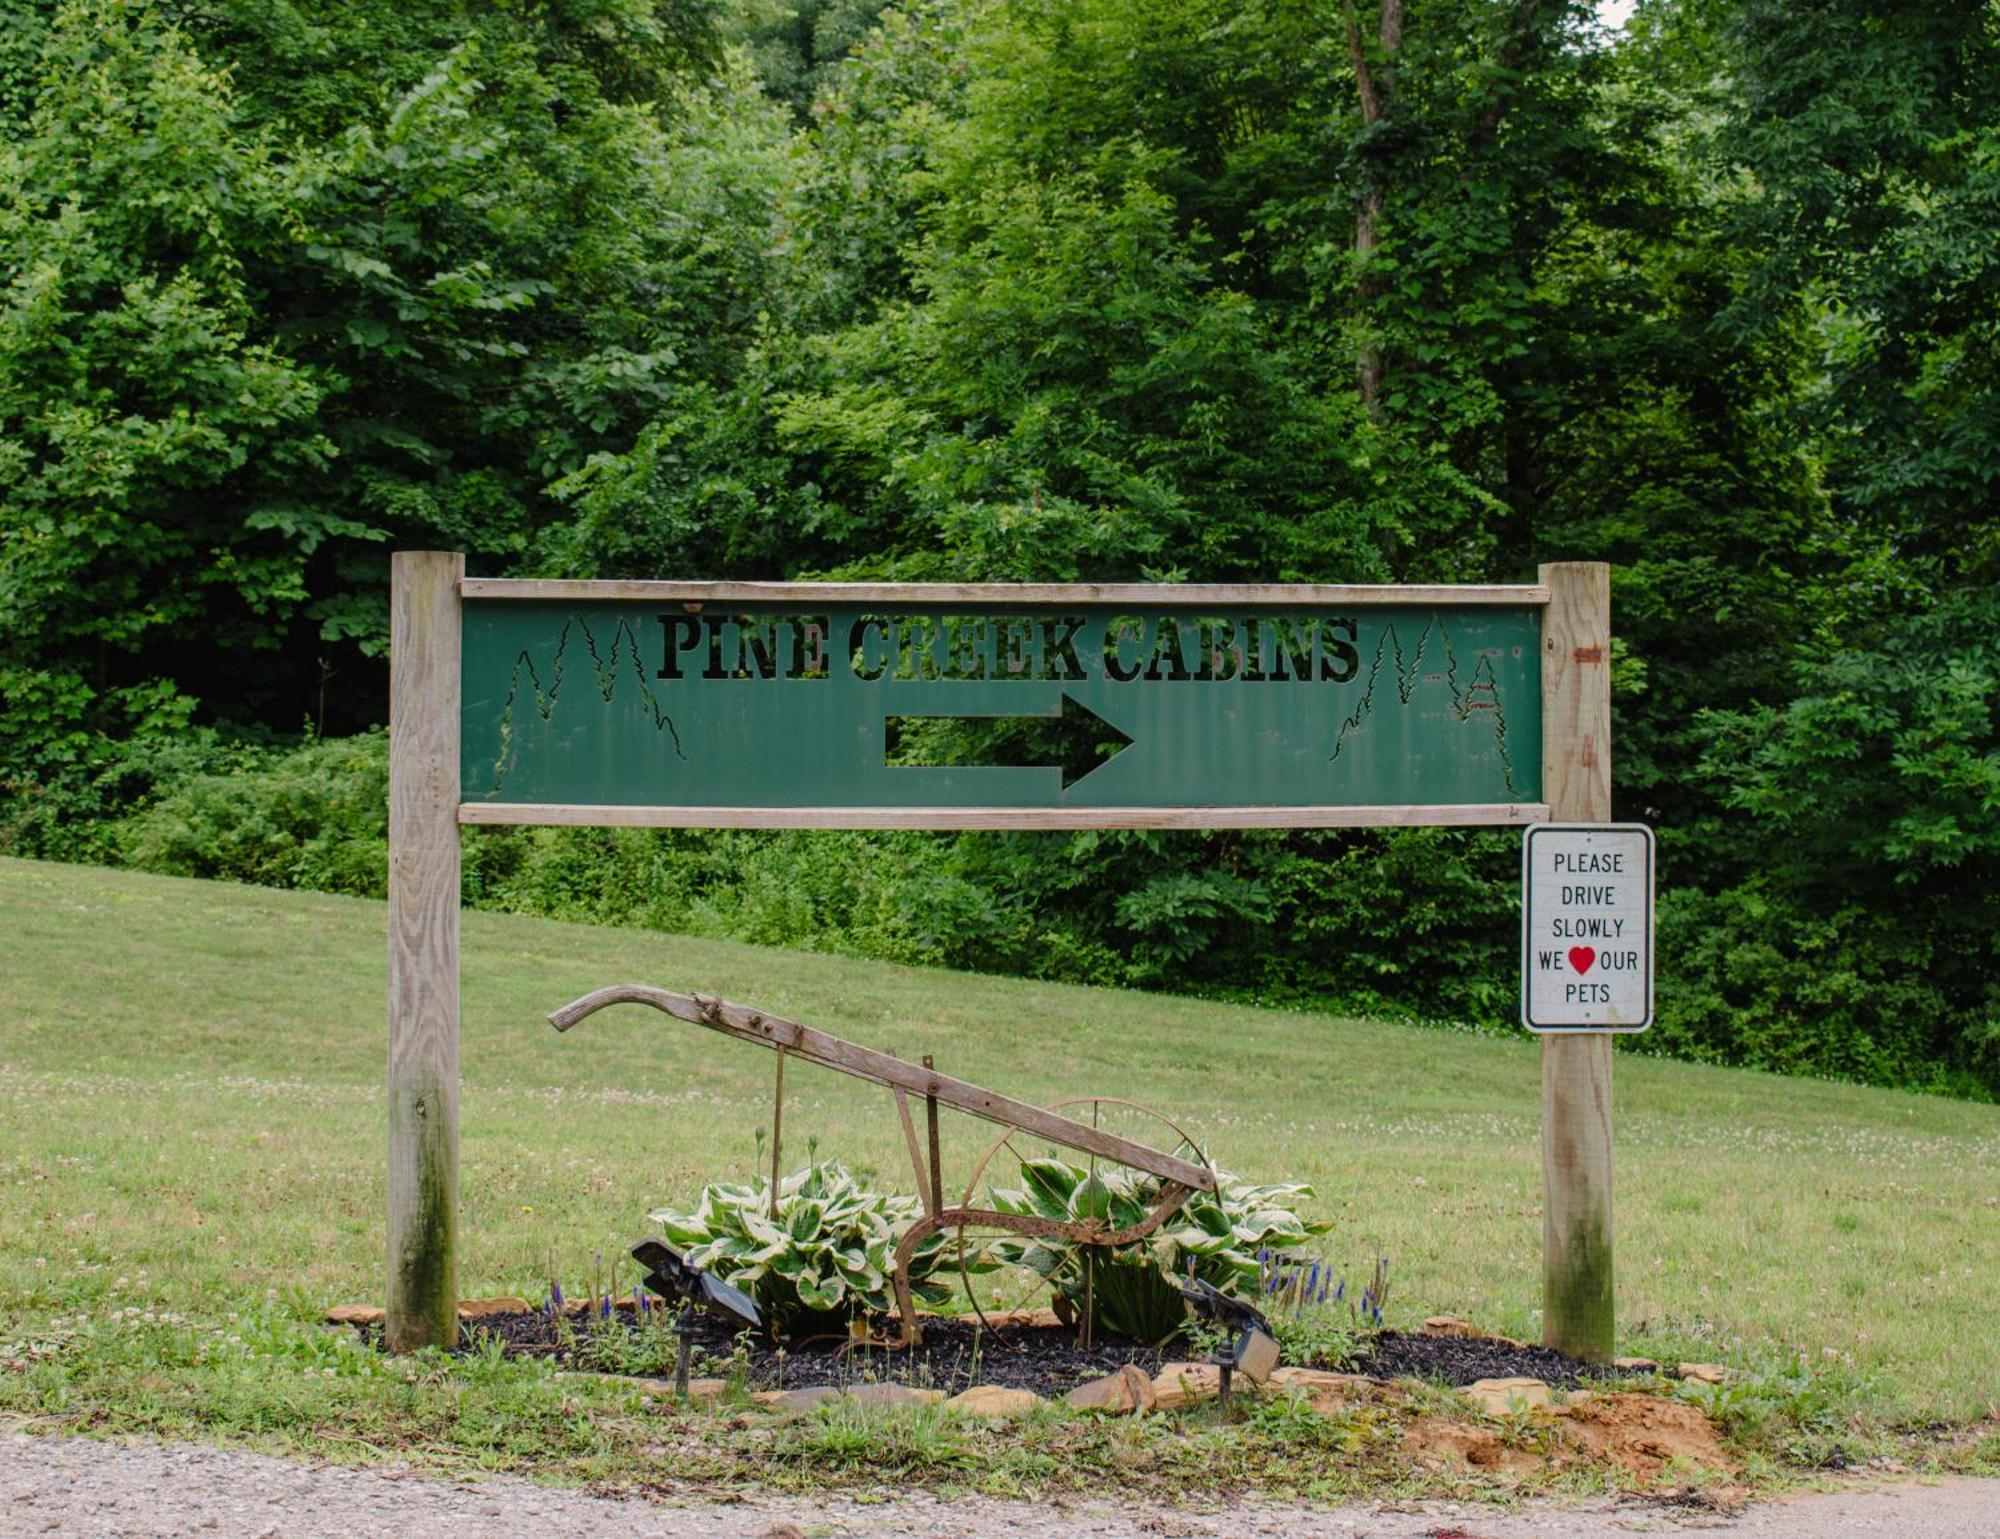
1438, 1443
1643, 1434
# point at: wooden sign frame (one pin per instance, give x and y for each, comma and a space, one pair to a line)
426, 810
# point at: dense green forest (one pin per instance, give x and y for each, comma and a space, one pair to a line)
1382, 290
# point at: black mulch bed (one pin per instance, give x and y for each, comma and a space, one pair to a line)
956, 1354
1467, 1359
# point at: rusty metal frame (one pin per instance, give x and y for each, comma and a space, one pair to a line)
1087, 1232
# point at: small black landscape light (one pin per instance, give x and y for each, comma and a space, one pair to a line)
1254, 1352
680, 1281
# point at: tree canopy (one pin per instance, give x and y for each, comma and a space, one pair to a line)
1383, 290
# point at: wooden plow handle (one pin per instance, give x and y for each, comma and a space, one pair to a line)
773, 1031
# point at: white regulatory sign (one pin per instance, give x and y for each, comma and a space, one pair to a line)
1587, 927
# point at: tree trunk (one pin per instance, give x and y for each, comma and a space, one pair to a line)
1375, 99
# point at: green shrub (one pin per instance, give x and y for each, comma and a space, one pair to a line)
74, 762
314, 817
826, 1256
1859, 933
1129, 1290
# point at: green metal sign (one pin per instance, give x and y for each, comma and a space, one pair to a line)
650, 703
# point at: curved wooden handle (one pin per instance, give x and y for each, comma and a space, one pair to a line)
685, 1006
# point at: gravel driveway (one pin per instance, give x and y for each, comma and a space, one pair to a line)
77, 1486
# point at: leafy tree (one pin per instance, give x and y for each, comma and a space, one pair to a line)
1389, 290
151, 436
1848, 925
388, 286
1874, 135
797, 44
1864, 940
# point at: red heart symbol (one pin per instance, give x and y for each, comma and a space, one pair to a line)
1580, 957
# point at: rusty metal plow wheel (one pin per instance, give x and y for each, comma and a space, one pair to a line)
1088, 1232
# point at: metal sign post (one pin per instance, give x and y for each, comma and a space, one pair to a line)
795, 705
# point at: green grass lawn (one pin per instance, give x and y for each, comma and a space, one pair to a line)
192, 1125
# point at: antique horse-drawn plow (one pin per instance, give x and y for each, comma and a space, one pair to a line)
1180, 1177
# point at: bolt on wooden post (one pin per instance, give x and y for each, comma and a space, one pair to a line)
1577, 1314
424, 642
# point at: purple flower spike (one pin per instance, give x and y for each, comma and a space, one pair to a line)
556, 1293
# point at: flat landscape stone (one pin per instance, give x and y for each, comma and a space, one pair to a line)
1500, 1397
1323, 1379
893, 1394
1178, 1385
798, 1401
355, 1314
1326, 1392
1457, 1328
995, 1401
481, 1309
1123, 1393
1703, 1373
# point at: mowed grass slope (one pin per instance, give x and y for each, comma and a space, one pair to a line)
191, 1119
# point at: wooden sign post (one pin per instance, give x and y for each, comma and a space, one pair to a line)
782, 705
1576, 1069
424, 642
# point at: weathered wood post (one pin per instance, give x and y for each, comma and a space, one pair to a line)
424, 644
1577, 1313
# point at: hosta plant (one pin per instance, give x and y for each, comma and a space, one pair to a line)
1129, 1289
827, 1255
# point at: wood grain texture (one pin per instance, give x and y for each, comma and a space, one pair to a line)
916, 1154
1577, 1303
1138, 595
423, 949
1576, 692
751, 1025
1497, 814
1578, 1314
